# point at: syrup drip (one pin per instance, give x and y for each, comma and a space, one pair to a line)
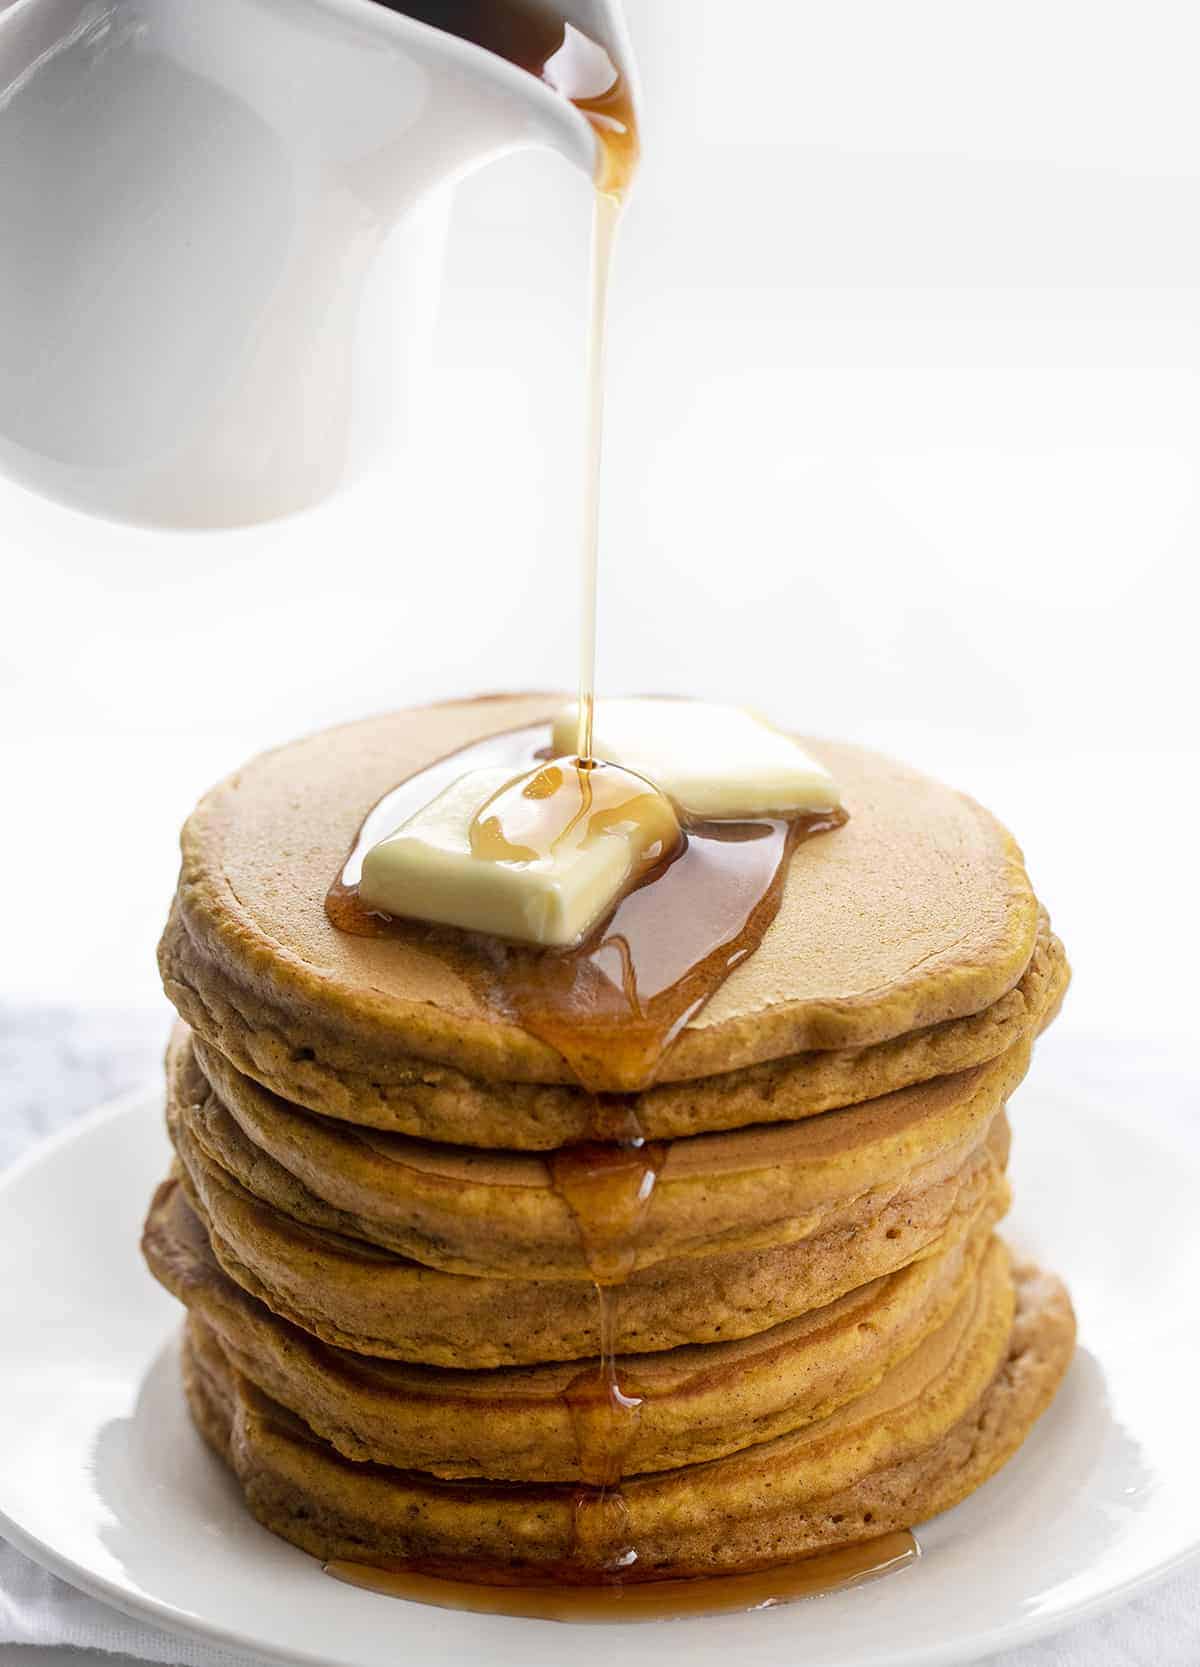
605, 1414
661, 1600
607, 1189
611, 1006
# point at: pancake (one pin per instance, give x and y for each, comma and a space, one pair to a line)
370, 1301
501, 1213
438, 1102
915, 914
931, 1431
514, 1424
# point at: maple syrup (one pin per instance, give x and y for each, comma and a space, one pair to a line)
659, 1600
607, 1188
611, 1007
606, 210
605, 1410
581, 70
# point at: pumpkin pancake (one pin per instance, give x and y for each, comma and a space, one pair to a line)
501, 1213
915, 915
439, 1102
698, 1403
370, 1301
929, 1432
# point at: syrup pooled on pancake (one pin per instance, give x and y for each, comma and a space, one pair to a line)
613, 1005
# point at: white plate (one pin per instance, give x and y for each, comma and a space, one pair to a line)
103, 1480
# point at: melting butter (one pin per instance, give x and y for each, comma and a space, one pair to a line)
539, 858
714, 762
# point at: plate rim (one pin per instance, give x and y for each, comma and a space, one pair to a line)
144, 1607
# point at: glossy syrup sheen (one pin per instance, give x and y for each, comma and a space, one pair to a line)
662, 1600
612, 1006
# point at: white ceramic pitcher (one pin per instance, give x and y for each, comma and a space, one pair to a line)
220, 230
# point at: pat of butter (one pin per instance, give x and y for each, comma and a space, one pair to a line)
539, 859
713, 761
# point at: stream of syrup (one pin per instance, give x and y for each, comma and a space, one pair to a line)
612, 1005
607, 1188
582, 70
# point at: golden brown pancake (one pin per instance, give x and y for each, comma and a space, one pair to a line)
932, 1430
501, 1213
439, 1102
698, 1403
916, 914
370, 1301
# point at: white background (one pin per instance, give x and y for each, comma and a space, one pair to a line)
903, 444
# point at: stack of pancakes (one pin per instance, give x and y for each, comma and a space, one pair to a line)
390, 1295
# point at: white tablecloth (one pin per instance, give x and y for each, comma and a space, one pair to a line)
56, 1064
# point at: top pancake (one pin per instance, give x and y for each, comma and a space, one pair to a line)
915, 913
